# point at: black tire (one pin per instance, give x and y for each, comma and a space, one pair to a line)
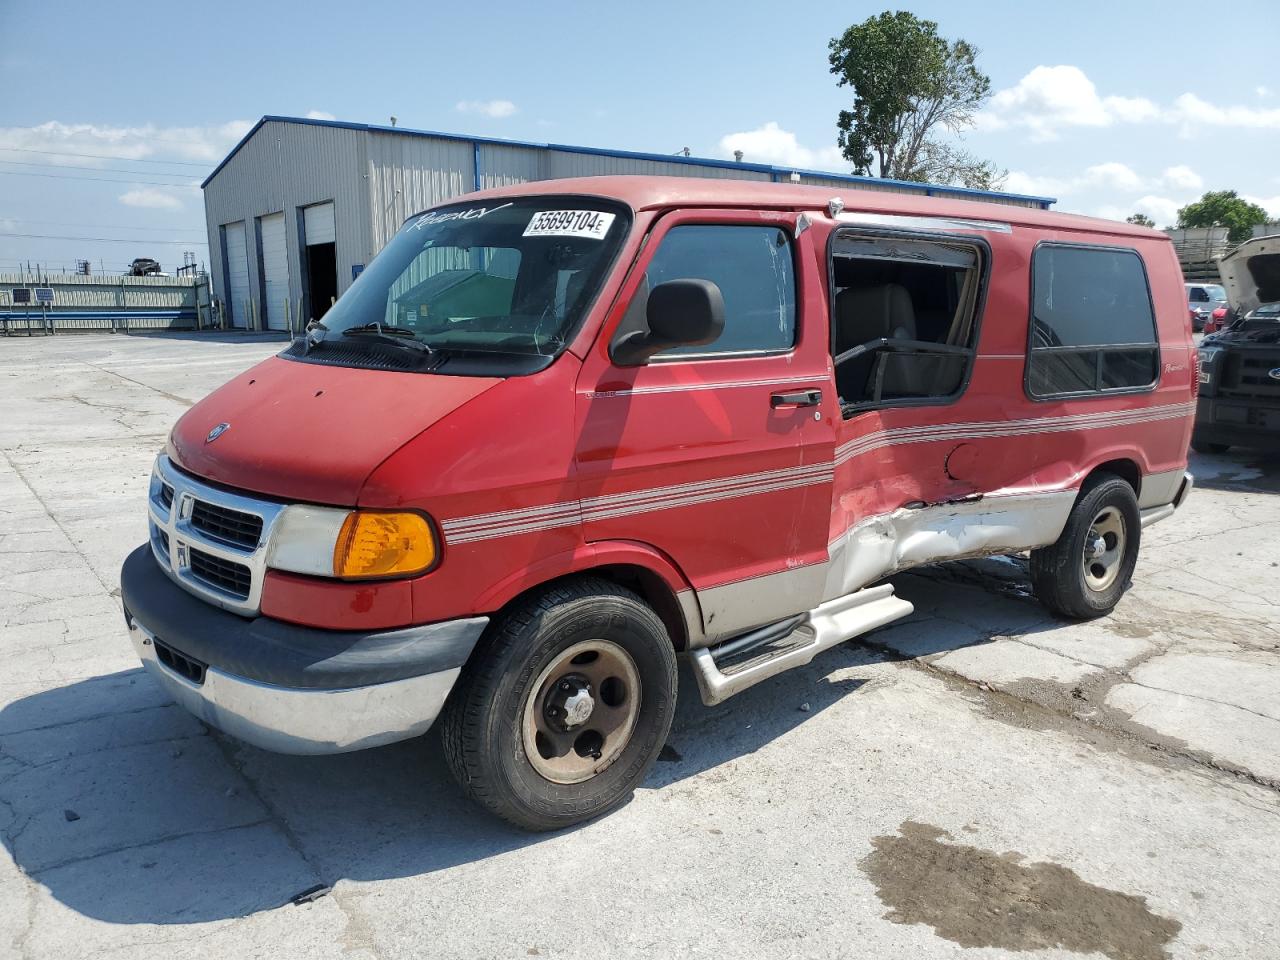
481, 727
1058, 576
1204, 446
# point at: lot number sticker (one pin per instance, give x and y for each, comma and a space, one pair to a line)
591, 224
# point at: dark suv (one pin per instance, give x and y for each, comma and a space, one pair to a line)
1240, 384
1240, 366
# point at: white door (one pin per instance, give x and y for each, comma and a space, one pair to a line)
238, 308
275, 271
317, 223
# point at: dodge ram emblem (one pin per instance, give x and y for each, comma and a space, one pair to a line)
216, 432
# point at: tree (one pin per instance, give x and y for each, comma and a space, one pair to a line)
909, 84
1223, 208
1141, 219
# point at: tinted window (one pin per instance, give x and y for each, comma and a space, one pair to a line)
1198, 295
753, 268
1092, 326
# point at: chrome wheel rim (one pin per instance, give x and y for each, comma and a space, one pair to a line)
581, 711
1104, 549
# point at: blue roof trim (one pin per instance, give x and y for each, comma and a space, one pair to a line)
774, 171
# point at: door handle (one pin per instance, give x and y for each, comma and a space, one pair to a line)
802, 398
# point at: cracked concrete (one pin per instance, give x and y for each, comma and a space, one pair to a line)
1141, 752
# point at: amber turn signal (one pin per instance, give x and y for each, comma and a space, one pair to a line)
373, 544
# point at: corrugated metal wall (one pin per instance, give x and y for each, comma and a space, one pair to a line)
281, 168
408, 174
103, 302
562, 163
502, 166
72, 291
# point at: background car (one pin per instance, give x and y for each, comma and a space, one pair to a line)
1204, 300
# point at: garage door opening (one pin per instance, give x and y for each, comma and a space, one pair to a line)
322, 278
321, 258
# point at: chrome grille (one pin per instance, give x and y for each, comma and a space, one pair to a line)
229, 526
234, 578
213, 542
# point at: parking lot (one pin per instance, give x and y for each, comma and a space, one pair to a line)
979, 775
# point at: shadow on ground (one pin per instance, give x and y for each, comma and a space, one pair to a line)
1237, 470
143, 815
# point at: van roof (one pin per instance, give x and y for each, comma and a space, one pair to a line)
652, 192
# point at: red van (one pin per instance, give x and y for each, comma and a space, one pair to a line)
558, 433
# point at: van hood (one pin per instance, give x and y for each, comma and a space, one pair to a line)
312, 432
1251, 273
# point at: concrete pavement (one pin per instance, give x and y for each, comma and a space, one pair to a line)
979, 776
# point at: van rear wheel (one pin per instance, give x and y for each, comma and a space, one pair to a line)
1084, 574
564, 705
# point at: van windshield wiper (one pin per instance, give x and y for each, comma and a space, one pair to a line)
385, 333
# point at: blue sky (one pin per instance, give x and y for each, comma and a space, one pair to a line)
107, 117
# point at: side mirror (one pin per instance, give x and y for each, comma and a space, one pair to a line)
679, 313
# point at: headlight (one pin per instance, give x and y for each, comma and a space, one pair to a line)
351, 544
1208, 359
383, 545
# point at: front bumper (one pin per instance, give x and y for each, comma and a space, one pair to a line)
1238, 422
288, 688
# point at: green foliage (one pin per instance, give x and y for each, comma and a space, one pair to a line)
908, 84
1223, 208
1141, 220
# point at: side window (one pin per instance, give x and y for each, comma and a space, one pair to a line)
752, 266
904, 318
1198, 295
1092, 326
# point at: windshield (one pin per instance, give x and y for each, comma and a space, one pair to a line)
489, 277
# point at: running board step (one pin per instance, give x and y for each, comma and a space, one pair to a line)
744, 661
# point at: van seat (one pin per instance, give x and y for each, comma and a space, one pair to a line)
869, 313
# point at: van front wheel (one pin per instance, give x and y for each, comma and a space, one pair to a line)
1084, 574
563, 706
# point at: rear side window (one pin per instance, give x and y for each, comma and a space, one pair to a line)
752, 266
1092, 326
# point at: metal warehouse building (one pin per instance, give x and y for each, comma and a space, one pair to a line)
299, 206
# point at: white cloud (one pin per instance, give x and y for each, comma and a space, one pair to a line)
1269, 204
1111, 175
1049, 98
1019, 181
1192, 111
151, 198
495, 109
207, 143
771, 144
1114, 175
1115, 182
1162, 210
320, 115
1262, 91
1183, 178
